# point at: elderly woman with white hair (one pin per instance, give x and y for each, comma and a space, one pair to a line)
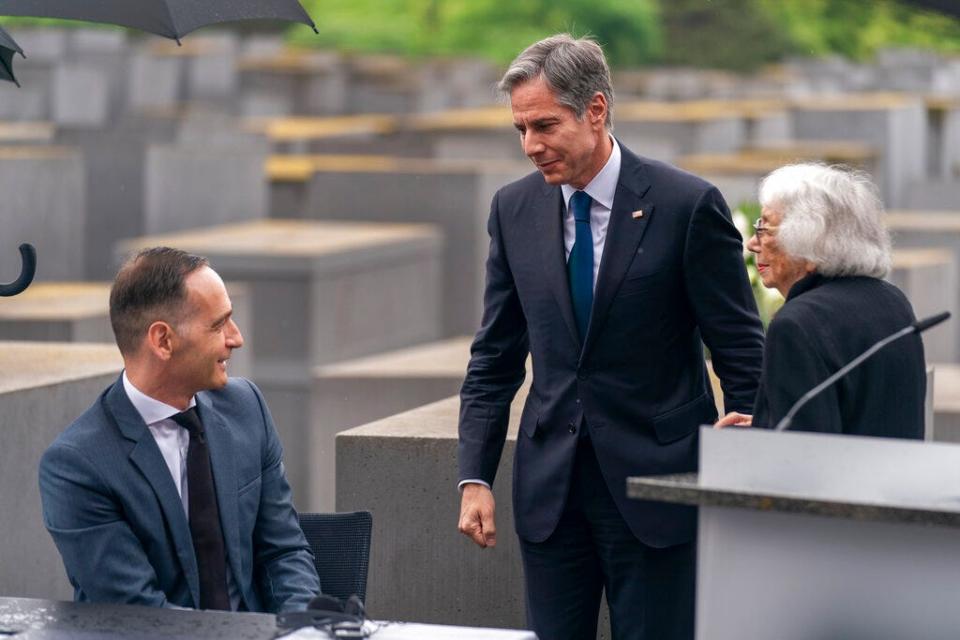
821, 242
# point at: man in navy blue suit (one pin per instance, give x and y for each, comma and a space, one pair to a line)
610, 270
170, 490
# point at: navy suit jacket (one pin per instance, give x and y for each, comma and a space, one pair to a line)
113, 510
669, 278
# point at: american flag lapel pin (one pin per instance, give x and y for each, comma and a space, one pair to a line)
637, 214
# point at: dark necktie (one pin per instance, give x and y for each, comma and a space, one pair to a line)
204, 516
580, 263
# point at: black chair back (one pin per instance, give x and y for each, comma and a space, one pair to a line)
341, 550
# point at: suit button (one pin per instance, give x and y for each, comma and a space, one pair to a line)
578, 400
572, 427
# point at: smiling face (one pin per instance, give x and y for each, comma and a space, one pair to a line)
777, 269
206, 336
565, 150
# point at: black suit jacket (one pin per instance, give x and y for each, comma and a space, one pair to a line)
668, 278
826, 323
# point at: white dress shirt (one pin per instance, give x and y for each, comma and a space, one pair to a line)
173, 441
601, 190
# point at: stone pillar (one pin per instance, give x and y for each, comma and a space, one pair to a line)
45, 386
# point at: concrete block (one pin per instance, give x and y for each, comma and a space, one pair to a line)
895, 125
454, 196
356, 392
154, 82
692, 127
212, 75
946, 403
43, 204
928, 277
321, 292
943, 139
933, 195
45, 386
58, 312
203, 183
404, 470
105, 50
114, 163
930, 230
298, 82
81, 95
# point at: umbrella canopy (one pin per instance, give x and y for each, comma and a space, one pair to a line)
7, 48
168, 18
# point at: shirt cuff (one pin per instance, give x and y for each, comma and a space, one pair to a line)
471, 481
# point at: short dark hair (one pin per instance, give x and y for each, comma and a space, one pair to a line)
574, 68
149, 287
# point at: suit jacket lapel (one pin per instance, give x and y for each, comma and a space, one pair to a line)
221, 445
549, 222
624, 234
145, 456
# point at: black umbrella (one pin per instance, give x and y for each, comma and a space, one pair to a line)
7, 48
168, 18
28, 267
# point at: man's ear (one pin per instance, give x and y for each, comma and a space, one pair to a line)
160, 340
597, 109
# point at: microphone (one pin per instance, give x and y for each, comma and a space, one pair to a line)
915, 327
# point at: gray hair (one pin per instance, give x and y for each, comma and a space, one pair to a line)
831, 216
575, 69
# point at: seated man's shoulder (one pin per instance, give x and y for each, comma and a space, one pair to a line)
237, 390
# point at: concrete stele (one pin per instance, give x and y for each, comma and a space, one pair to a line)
45, 387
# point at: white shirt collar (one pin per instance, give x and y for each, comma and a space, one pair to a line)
150, 410
604, 185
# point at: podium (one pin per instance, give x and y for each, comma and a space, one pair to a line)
821, 536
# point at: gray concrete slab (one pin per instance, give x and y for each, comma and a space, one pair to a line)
404, 470
114, 164
686, 127
943, 138
946, 403
154, 82
45, 386
928, 230
204, 182
894, 124
291, 82
81, 95
43, 203
356, 392
928, 277
455, 196
933, 195
321, 292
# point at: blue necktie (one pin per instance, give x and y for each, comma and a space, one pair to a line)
580, 263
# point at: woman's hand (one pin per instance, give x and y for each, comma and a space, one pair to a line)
734, 419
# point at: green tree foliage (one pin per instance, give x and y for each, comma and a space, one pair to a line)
494, 29
729, 34
726, 34
857, 28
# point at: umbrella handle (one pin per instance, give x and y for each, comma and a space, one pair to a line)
28, 259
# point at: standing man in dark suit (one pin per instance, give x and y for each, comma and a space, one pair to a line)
608, 269
170, 489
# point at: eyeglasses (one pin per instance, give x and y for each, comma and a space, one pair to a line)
759, 230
